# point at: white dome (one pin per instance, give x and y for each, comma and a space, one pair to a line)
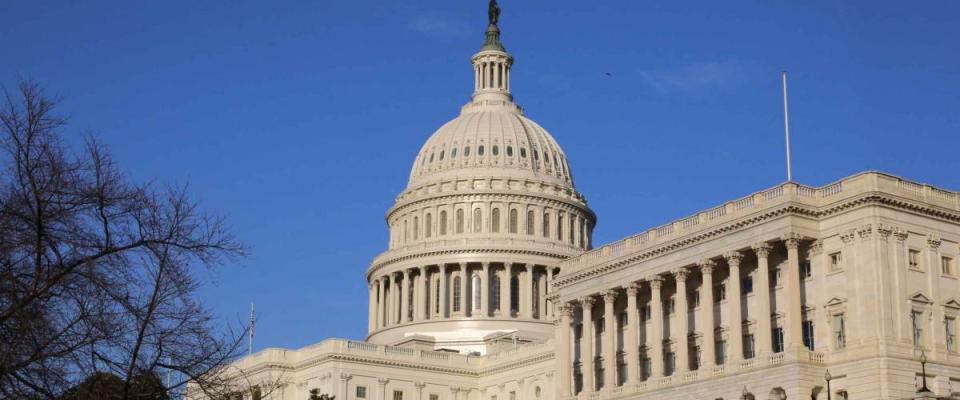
491, 142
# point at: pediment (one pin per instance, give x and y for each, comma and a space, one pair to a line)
919, 297
952, 303
834, 302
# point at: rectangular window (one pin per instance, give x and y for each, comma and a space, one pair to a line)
397, 395
836, 261
747, 285
646, 367
645, 313
950, 329
748, 347
913, 258
669, 363
777, 340
598, 374
621, 373
434, 396
839, 332
806, 269
777, 276
916, 321
808, 334
721, 294
670, 306
946, 266
361, 392
696, 361
513, 395
695, 299
622, 320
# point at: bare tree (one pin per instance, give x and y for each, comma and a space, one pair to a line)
97, 274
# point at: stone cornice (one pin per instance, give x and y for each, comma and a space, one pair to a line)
376, 268
542, 199
872, 198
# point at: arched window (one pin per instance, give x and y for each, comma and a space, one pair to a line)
416, 228
456, 294
443, 222
475, 287
477, 220
460, 220
583, 233
436, 296
431, 158
536, 155
404, 231
495, 220
509, 151
480, 150
546, 224
428, 225
513, 220
453, 153
572, 229
441, 154
496, 150
523, 152
514, 294
530, 222
466, 151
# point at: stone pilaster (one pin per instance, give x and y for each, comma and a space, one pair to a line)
609, 340
762, 288
656, 336
709, 357
734, 310
631, 346
683, 325
794, 334
586, 352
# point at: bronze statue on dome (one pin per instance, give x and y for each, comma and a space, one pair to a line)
493, 12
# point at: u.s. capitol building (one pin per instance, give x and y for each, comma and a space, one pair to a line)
491, 287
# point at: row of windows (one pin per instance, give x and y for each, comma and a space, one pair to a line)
913, 262
577, 225
360, 392
558, 161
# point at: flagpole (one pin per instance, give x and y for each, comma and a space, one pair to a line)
250, 338
786, 125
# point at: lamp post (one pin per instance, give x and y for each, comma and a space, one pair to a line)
745, 393
827, 377
923, 370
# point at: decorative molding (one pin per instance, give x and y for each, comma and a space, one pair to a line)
762, 249
848, 236
633, 289
609, 296
865, 231
900, 234
934, 241
884, 231
733, 258
816, 247
792, 240
706, 266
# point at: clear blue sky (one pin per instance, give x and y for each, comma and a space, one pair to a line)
299, 122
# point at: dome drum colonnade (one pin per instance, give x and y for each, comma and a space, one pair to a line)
489, 212
654, 345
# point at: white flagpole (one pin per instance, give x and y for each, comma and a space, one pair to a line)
786, 125
250, 339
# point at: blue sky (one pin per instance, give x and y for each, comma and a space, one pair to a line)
299, 121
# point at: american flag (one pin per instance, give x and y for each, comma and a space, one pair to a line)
250, 342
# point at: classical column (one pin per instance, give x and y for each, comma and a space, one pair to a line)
656, 337
463, 288
443, 291
541, 297
565, 366
423, 297
506, 288
709, 357
762, 288
344, 384
405, 297
633, 329
485, 290
419, 386
609, 340
683, 323
795, 310
372, 307
547, 290
391, 301
528, 292
586, 348
935, 325
733, 306
381, 303
382, 382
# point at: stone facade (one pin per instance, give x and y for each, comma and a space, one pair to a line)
490, 288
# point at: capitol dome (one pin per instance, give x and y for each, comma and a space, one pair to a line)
489, 211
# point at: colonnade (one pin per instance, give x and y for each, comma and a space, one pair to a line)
493, 74
460, 290
654, 342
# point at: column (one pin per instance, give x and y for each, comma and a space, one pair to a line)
733, 306
633, 330
443, 291
794, 334
527, 291
381, 303
464, 284
542, 297
586, 348
709, 357
344, 384
609, 340
656, 336
762, 288
506, 287
548, 290
391, 302
419, 386
936, 338
405, 297
423, 297
485, 290
683, 323
565, 366
372, 307
382, 382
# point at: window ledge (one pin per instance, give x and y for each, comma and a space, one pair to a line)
948, 276
835, 272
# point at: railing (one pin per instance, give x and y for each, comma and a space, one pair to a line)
778, 195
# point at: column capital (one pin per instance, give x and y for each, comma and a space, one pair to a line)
900, 234
884, 231
792, 240
816, 248
406, 272
587, 301
419, 385
707, 265
565, 310
346, 376
383, 382
485, 265
656, 282
423, 269
633, 288
609, 295
934, 241
681, 274
733, 258
527, 266
762, 249
865, 231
